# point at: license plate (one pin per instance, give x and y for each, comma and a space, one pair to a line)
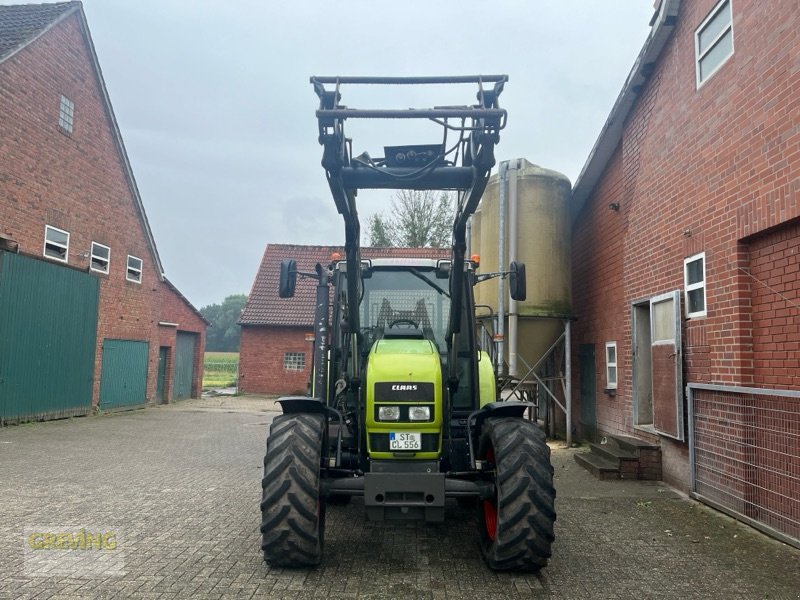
404, 440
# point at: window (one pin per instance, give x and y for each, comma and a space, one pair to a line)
694, 279
713, 41
134, 269
56, 243
101, 256
294, 361
66, 115
611, 365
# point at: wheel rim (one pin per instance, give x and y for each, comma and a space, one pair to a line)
490, 507
490, 519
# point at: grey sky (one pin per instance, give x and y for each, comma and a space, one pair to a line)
217, 114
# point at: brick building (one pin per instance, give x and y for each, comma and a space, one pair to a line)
686, 254
274, 352
87, 318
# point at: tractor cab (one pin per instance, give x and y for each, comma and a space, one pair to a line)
401, 352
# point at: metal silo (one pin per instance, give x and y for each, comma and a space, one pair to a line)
533, 204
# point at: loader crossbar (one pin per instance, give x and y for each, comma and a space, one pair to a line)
411, 80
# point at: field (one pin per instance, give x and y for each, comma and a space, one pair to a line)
220, 369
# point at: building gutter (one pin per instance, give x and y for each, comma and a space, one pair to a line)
663, 23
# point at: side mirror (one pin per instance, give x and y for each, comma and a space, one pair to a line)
288, 278
517, 285
443, 268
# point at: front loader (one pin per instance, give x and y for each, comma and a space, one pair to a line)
404, 408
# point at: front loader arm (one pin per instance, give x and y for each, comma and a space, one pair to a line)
335, 158
468, 173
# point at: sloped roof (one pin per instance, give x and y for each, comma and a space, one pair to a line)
265, 307
185, 300
23, 24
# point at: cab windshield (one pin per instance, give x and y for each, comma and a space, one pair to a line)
407, 297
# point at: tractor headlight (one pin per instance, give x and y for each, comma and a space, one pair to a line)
388, 413
419, 413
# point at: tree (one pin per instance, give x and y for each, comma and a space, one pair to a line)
417, 219
223, 335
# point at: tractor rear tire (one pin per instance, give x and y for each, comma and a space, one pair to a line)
516, 526
292, 509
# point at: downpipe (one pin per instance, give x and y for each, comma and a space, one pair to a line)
501, 252
513, 203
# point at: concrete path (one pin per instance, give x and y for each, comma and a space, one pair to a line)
177, 488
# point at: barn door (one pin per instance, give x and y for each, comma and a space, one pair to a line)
123, 375
48, 328
184, 365
162, 375
667, 361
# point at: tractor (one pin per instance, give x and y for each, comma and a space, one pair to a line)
403, 407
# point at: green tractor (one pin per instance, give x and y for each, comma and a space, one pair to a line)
404, 409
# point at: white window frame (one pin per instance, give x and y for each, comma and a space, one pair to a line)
47, 241
137, 278
698, 57
93, 257
66, 114
609, 364
690, 287
292, 361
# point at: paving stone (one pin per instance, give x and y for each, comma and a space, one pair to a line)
181, 485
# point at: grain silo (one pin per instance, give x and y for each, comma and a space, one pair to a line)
532, 204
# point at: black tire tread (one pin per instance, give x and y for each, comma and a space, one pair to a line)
292, 527
526, 496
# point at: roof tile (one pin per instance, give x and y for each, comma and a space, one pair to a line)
21, 23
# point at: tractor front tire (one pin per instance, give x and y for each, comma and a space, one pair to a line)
292, 509
516, 525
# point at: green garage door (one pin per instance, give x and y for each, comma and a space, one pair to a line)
123, 380
184, 365
48, 326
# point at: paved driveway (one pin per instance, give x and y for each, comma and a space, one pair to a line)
177, 488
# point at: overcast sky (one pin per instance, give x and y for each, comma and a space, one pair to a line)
217, 113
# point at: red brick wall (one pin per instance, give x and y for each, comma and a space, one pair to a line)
696, 171
775, 268
597, 261
75, 182
261, 352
